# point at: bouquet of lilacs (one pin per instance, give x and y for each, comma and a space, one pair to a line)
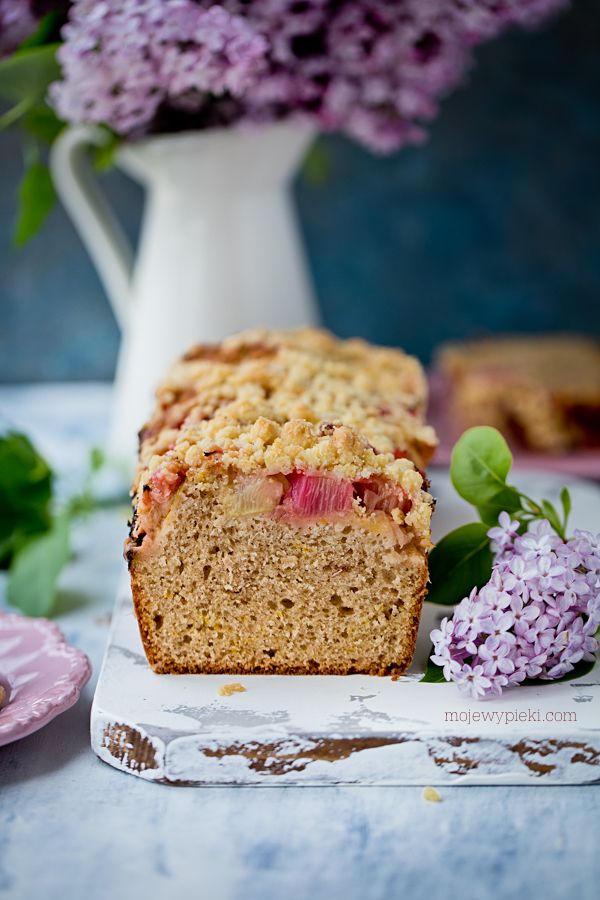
373, 69
535, 608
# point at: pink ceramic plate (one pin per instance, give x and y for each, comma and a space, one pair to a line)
582, 464
44, 675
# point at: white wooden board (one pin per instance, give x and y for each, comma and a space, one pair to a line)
352, 729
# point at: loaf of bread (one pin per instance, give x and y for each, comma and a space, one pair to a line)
541, 391
281, 522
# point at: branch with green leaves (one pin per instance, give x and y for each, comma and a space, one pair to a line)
34, 529
25, 77
462, 560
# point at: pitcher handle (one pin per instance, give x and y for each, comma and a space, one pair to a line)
87, 206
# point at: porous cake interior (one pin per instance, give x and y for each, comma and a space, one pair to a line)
247, 594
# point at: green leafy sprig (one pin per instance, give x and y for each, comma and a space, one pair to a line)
481, 462
25, 77
34, 531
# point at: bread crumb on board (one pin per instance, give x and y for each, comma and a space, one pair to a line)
430, 793
227, 690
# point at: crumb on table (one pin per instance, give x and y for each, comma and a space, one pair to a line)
430, 793
227, 690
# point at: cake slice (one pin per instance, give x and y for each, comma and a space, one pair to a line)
281, 522
541, 391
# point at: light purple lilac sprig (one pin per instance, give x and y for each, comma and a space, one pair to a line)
535, 618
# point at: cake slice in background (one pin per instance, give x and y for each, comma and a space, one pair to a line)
542, 392
281, 520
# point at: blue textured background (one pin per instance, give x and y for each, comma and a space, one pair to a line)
493, 225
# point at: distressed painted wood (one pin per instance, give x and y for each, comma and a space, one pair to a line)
344, 729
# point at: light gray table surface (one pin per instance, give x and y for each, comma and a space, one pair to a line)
71, 827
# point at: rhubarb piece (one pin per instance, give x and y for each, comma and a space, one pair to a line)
318, 495
253, 495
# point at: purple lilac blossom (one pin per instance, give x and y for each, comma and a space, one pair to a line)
17, 22
536, 617
369, 68
122, 60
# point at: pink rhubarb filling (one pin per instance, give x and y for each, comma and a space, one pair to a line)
300, 495
321, 495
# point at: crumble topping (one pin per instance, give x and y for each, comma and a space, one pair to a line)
226, 690
308, 376
272, 404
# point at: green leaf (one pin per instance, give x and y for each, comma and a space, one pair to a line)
461, 561
46, 30
25, 476
42, 123
434, 674
506, 501
552, 516
317, 164
85, 502
8, 542
583, 667
35, 569
36, 199
26, 74
565, 499
97, 459
16, 112
104, 154
25, 492
481, 460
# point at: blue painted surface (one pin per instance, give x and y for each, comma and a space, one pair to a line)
72, 827
493, 225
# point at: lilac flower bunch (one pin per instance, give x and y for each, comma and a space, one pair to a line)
535, 618
17, 21
123, 60
372, 69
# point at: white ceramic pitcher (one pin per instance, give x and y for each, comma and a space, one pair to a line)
219, 248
